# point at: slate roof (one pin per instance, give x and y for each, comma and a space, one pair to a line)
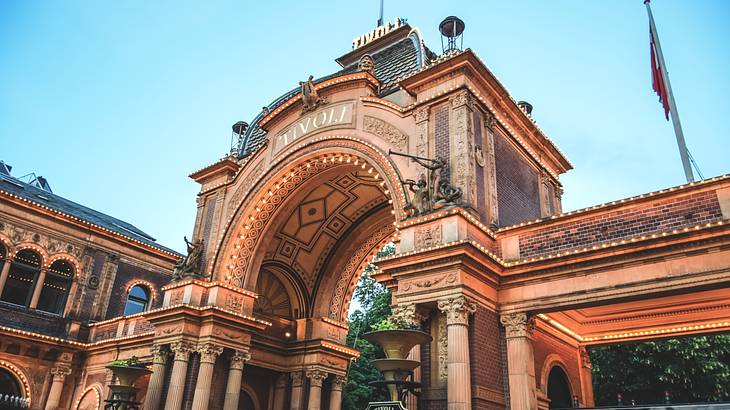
55, 202
391, 63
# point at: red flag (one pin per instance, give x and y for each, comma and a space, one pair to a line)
657, 78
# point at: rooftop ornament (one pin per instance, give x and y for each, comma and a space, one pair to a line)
237, 136
190, 265
451, 28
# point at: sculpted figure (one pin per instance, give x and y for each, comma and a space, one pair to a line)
447, 195
366, 64
310, 98
421, 195
190, 265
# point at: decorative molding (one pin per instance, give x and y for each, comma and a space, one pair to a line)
385, 131
443, 347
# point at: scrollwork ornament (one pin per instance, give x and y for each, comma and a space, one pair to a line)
60, 372
517, 325
316, 377
421, 114
239, 359
457, 309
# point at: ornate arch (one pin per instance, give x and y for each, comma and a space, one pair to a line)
91, 395
9, 248
235, 262
66, 258
34, 247
20, 375
551, 361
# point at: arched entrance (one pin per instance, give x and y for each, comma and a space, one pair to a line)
558, 389
9, 384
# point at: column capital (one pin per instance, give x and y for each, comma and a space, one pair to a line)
338, 382
489, 120
208, 352
316, 377
421, 114
408, 315
517, 325
60, 372
239, 359
462, 98
182, 350
457, 309
159, 353
281, 381
297, 378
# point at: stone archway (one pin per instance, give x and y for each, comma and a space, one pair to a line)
558, 388
320, 211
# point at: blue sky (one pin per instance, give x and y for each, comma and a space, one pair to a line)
117, 102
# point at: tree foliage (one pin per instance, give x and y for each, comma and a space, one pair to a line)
374, 300
695, 369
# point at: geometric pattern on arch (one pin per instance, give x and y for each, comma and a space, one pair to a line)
306, 237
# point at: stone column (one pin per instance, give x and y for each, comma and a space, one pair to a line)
520, 361
279, 392
157, 380
209, 352
338, 383
586, 377
458, 387
54, 396
316, 378
297, 390
235, 373
175, 390
4, 274
38, 288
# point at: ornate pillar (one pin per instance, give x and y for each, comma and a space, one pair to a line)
316, 377
338, 383
54, 396
157, 380
421, 117
520, 361
297, 380
411, 316
235, 373
458, 387
38, 288
461, 137
586, 377
490, 166
279, 392
4, 274
208, 354
175, 390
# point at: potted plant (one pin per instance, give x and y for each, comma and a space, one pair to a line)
397, 339
122, 395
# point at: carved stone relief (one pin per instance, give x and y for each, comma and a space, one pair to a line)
429, 235
385, 131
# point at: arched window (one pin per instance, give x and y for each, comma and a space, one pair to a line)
9, 384
22, 277
56, 287
137, 301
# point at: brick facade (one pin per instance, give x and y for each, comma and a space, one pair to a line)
544, 345
486, 359
518, 190
126, 274
623, 223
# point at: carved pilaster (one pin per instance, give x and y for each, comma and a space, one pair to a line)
421, 117
461, 136
518, 325
407, 315
490, 170
239, 359
316, 377
442, 347
209, 352
457, 309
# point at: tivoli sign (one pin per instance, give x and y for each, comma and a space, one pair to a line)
333, 115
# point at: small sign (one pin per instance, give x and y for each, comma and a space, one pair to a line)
329, 116
385, 405
378, 32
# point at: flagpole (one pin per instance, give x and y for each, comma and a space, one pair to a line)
670, 96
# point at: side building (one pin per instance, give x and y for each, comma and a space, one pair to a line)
67, 268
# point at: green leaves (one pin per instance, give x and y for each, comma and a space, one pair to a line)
693, 369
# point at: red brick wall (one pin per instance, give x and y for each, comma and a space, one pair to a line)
518, 192
126, 273
441, 134
545, 344
486, 356
623, 223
